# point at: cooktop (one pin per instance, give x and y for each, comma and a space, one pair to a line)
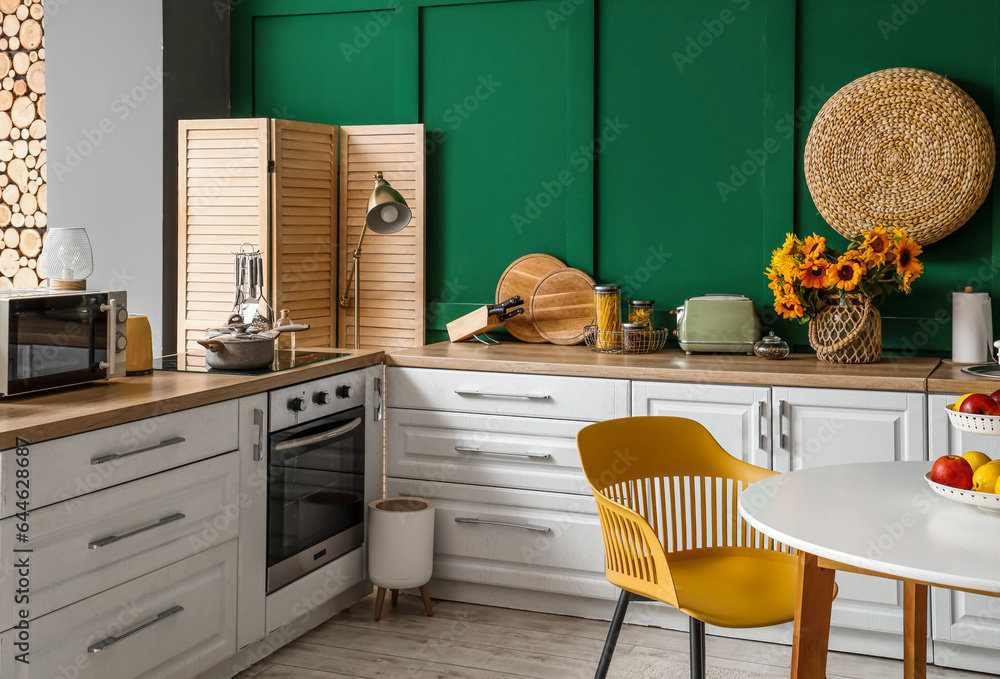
194, 362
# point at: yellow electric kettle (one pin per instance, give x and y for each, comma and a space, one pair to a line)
139, 350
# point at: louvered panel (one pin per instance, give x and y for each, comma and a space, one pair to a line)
222, 194
393, 264
304, 229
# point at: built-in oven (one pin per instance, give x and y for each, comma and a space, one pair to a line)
316, 480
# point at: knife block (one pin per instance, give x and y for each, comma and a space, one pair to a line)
472, 323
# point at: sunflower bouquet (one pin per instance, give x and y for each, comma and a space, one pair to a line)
806, 275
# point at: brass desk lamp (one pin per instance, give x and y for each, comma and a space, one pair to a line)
387, 214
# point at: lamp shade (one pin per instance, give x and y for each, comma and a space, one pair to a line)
66, 256
387, 210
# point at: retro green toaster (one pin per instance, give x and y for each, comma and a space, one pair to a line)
718, 323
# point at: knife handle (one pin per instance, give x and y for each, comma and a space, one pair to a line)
511, 314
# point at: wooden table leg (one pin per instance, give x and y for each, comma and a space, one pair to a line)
914, 630
812, 619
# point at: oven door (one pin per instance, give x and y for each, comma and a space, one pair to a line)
55, 341
316, 491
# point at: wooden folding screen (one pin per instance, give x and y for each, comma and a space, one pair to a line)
392, 266
273, 184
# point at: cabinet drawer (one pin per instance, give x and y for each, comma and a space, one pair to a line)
553, 542
193, 639
573, 398
489, 450
157, 520
84, 463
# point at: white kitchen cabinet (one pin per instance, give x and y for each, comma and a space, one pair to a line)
172, 623
738, 417
516, 524
965, 628
251, 509
816, 427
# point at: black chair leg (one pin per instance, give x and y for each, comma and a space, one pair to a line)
616, 626
696, 630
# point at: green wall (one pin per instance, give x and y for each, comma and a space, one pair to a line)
653, 143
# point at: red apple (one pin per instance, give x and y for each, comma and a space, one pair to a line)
996, 396
953, 471
980, 404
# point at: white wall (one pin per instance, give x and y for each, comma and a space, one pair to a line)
104, 96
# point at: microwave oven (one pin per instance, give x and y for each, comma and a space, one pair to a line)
59, 338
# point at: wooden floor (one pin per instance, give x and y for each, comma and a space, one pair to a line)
465, 641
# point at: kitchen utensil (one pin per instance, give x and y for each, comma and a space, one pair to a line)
139, 350
484, 319
718, 323
562, 304
244, 351
631, 339
520, 279
988, 502
971, 327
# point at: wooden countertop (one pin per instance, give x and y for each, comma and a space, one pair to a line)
948, 378
798, 370
62, 412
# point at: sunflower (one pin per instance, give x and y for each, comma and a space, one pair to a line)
784, 265
876, 246
844, 275
792, 243
814, 246
789, 306
904, 284
813, 274
907, 252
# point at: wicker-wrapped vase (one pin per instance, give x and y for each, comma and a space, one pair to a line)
899, 148
849, 330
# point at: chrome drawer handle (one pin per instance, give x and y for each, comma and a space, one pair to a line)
525, 526
533, 456
118, 456
104, 542
319, 438
471, 392
111, 641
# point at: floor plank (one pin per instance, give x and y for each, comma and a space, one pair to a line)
466, 641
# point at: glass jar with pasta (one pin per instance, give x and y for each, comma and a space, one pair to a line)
641, 311
608, 308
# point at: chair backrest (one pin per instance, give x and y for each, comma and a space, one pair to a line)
673, 474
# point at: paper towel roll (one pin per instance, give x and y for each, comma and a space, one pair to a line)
971, 328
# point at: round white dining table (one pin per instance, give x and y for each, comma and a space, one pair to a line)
878, 518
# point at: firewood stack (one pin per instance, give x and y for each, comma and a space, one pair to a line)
23, 187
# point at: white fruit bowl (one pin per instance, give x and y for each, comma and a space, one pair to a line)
988, 502
975, 424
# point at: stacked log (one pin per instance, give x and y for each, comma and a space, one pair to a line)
23, 188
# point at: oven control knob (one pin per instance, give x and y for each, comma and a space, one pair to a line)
297, 405
122, 314
120, 341
321, 398
344, 391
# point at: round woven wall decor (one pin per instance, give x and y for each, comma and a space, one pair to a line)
900, 148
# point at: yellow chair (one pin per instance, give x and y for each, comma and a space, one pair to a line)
667, 495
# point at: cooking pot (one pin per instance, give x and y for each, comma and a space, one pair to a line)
244, 351
234, 324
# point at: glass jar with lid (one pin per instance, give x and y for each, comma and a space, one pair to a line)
641, 311
608, 309
771, 346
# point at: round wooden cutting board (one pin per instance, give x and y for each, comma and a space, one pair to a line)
520, 279
562, 303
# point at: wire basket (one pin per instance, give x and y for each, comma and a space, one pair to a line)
625, 342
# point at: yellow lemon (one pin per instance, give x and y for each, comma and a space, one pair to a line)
984, 480
976, 459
